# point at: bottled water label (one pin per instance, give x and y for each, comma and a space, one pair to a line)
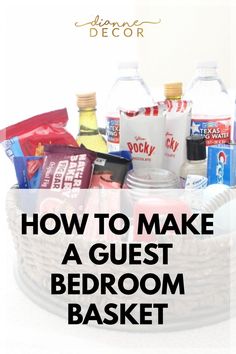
113, 130
216, 131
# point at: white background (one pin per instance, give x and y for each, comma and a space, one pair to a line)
44, 62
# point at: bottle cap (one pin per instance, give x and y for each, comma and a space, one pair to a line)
207, 68
173, 90
207, 64
196, 147
86, 100
128, 65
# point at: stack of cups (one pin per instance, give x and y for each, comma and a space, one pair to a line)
142, 182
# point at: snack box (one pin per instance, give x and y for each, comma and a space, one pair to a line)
221, 168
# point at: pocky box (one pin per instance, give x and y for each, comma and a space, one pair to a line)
142, 133
178, 120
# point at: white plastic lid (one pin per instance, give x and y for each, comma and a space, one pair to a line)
128, 65
207, 69
207, 64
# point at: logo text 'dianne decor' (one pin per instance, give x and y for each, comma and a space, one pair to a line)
107, 28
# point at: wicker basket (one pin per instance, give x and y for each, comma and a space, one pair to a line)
209, 266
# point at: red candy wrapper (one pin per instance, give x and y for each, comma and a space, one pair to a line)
63, 169
28, 137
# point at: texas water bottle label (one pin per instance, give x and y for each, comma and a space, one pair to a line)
113, 130
216, 131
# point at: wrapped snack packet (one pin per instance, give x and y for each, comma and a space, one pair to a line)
28, 137
66, 168
28, 171
109, 171
142, 133
66, 149
125, 154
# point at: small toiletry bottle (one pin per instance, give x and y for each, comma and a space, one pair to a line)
196, 163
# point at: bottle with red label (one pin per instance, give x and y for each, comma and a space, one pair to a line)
211, 111
129, 92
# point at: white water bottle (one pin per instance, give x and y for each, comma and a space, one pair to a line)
211, 110
129, 92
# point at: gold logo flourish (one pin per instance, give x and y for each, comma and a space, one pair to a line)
100, 22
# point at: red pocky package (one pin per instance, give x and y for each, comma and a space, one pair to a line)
142, 132
63, 169
27, 138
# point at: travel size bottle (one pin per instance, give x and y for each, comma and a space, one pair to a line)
196, 163
89, 134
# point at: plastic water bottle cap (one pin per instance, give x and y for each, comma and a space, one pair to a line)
128, 65
207, 65
207, 69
